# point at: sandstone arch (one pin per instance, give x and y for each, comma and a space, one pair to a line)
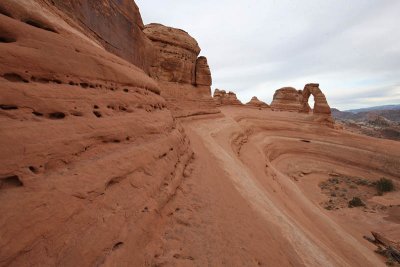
320, 104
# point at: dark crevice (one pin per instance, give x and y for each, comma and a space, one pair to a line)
305, 141
37, 113
113, 181
5, 39
5, 12
39, 25
13, 77
10, 182
33, 169
43, 80
162, 156
117, 245
8, 107
84, 85
97, 114
56, 115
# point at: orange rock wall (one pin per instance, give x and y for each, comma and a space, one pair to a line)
90, 153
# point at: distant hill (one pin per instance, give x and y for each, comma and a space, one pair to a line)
389, 114
382, 121
385, 107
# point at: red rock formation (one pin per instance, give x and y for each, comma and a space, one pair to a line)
320, 104
92, 159
184, 78
254, 102
221, 97
177, 54
90, 154
290, 99
286, 99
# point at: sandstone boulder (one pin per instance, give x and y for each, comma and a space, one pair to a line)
255, 102
287, 99
221, 97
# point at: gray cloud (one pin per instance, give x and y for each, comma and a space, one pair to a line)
352, 48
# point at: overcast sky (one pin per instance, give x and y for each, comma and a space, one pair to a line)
350, 47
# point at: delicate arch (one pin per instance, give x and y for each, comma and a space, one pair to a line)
320, 104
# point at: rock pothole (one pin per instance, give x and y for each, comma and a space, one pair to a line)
10, 182
56, 115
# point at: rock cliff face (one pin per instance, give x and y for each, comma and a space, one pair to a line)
255, 102
115, 25
183, 77
90, 154
221, 97
287, 98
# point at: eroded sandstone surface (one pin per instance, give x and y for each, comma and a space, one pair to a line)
184, 77
89, 151
114, 153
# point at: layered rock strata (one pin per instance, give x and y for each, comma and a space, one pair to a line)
90, 154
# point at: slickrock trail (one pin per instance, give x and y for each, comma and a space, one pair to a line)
245, 168
114, 153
